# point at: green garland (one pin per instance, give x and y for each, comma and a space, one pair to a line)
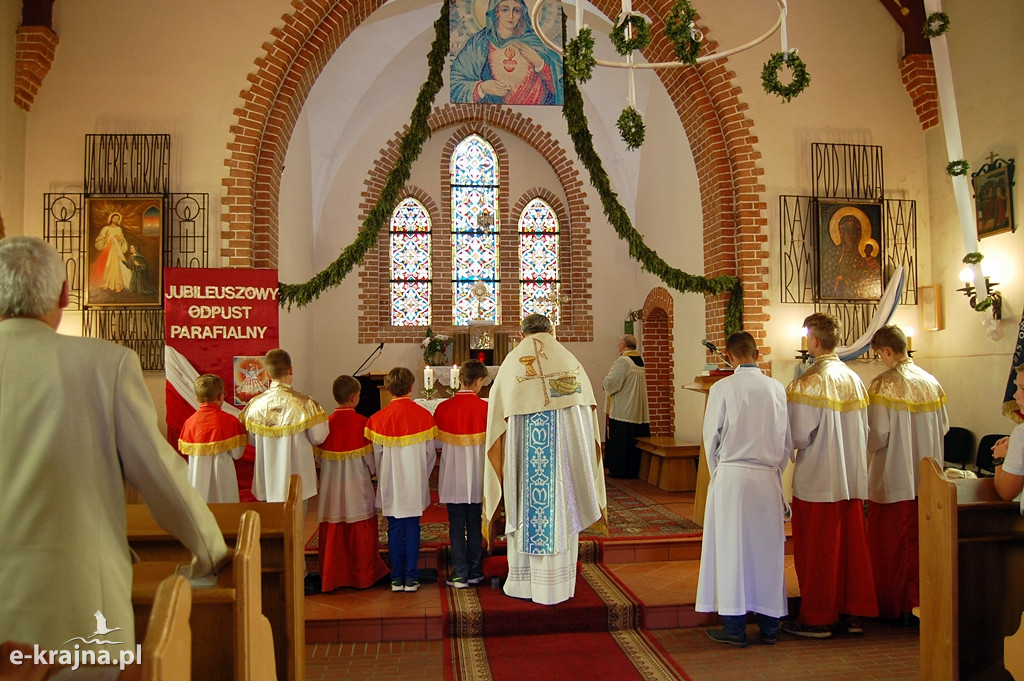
955, 168
641, 34
973, 258
408, 151
631, 128
936, 24
649, 260
579, 56
583, 142
680, 29
770, 75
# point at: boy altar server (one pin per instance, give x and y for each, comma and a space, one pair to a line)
284, 425
348, 545
908, 420
461, 427
828, 421
747, 443
403, 436
212, 440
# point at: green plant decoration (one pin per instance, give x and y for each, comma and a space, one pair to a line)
631, 128
954, 168
641, 34
770, 75
410, 148
579, 56
973, 258
679, 29
935, 25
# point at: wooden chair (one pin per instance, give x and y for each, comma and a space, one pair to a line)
167, 648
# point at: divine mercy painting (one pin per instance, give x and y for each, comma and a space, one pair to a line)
849, 250
499, 56
124, 242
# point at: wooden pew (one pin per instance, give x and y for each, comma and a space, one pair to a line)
283, 568
231, 639
167, 648
972, 576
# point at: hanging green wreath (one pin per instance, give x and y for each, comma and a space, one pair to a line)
641, 34
936, 24
682, 32
770, 75
631, 128
955, 168
579, 56
583, 142
973, 258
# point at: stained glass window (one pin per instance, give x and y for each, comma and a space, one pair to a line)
539, 288
474, 185
410, 265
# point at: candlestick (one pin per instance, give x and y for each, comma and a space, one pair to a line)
803, 340
428, 377
910, 340
454, 378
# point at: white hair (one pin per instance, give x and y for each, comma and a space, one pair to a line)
31, 277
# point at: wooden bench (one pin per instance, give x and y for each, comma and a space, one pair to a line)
231, 639
167, 648
668, 463
972, 562
282, 571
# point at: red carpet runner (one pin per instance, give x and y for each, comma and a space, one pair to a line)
595, 635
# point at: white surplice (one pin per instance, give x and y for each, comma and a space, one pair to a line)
346, 493
747, 443
214, 476
279, 458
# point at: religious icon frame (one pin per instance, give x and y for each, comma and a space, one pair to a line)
849, 276
137, 278
248, 370
993, 198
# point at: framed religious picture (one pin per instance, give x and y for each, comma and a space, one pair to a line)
993, 197
849, 249
124, 246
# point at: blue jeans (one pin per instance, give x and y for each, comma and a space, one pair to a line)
404, 548
736, 625
464, 527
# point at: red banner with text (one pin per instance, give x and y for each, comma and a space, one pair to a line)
218, 321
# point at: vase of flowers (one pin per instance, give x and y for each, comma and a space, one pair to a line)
434, 346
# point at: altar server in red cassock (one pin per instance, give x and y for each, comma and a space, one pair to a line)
212, 440
348, 545
403, 436
908, 420
461, 427
828, 422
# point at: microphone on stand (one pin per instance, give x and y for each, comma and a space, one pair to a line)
373, 355
711, 346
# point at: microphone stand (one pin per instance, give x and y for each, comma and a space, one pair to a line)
713, 349
373, 355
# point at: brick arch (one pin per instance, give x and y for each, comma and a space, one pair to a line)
457, 121
706, 99
657, 332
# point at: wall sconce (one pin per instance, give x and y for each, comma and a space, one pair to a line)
993, 299
909, 333
803, 355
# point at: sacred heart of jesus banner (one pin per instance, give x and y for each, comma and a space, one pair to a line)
499, 58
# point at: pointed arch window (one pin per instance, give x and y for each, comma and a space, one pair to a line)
539, 282
474, 175
411, 273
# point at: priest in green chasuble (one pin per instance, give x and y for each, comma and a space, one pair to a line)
544, 463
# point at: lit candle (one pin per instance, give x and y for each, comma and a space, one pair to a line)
454, 382
910, 338
803, 339
428, 377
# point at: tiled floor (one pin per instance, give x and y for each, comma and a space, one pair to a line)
399, 633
